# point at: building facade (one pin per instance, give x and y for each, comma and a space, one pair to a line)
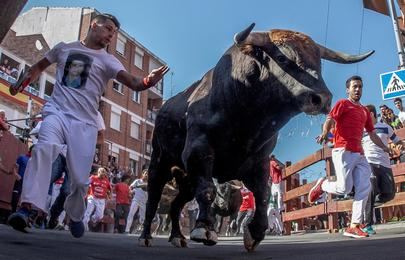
129, 115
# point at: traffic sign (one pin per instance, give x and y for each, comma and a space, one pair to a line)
393, 84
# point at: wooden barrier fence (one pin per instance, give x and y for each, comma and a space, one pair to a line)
295, 193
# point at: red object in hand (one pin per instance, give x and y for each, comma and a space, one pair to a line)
20, 85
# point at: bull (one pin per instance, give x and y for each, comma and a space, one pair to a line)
226, 124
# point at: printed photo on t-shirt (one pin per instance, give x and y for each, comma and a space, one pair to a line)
76, 70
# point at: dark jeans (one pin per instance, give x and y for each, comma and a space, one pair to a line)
121, 212
382, 190
58, 168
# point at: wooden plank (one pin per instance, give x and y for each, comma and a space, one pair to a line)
304, 213
297, 192
398, 169
399, 199
319, 155
399, 179
339, 206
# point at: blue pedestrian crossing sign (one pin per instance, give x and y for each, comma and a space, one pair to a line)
393, 84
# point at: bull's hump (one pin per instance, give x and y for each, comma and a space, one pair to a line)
202, 90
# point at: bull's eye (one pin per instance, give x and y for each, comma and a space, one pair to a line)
281, 58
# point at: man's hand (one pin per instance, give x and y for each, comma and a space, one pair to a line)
156, 75
22, 82
322, 138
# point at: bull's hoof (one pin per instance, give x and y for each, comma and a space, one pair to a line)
202, 235
248, 241
178, 242
147, 242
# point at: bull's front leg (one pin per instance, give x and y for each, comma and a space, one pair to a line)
199, 158
254, 232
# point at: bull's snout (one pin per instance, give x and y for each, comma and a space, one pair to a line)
315, 103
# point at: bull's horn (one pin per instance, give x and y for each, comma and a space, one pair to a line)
240, 37
341, 57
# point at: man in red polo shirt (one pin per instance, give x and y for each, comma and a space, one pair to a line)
246, 209
99, 191
349, 118
123, 201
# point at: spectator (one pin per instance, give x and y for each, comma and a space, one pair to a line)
3, 122
401, 114
383, 109
122, 202
99, 191
393, 120
4, 65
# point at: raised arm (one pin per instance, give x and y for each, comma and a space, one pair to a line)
29, 76
138, 84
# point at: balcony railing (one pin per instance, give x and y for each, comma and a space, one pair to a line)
32, 90
148, 147
7, 77
151, 117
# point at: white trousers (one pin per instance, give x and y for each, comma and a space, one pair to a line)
57, 131
135, 205
274, 220
352, 169
276, 192
96, 205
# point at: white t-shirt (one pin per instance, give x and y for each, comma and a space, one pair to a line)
140, 195
375, 154
401, 116
100, 122
81, 78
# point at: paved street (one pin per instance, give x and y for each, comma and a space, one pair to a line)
389, 243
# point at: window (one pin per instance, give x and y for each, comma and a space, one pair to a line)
136, 96
118, 87
33, 88
138, 60
135, 130
132, 166
115, 120
153, 65
121, 41
48, 90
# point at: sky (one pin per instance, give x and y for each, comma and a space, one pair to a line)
191, 36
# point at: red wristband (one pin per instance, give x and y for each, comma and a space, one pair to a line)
146, 82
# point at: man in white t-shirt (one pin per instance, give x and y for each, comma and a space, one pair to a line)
401, 114
70, 116
382, 179
139, 198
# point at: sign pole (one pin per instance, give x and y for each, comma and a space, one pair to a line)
397, 34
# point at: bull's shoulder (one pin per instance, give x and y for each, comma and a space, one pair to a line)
202, 89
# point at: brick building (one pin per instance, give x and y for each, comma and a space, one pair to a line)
129, 115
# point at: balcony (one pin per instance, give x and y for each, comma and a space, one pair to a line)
34, 91
157, 90
7, 77
148, 147
151, 117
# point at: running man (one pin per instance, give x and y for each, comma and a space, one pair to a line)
70, 118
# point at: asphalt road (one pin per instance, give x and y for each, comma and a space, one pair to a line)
389, 243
